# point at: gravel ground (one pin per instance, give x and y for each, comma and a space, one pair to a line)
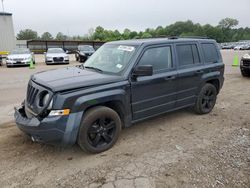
178, 149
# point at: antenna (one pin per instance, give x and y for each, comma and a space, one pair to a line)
3, 5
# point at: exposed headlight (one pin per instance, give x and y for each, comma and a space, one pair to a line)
50, 105
63, 112
45, 99
49, 58
66, 57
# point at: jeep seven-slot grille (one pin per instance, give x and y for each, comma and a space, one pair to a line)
246, 63
31, 94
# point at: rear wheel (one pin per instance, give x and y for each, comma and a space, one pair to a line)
100, 129
206, 99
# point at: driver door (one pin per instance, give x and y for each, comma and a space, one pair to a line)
156, 94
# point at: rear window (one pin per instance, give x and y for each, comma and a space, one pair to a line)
210, 52
187, 54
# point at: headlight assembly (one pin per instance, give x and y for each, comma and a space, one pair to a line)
45, 100
50, 105
63, 112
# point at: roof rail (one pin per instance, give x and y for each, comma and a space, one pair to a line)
196, 37
173, 37
191, 37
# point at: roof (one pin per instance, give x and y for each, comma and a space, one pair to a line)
159, 40
5, 14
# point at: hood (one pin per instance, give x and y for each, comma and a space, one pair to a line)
72, 77
56, 55
246, 56
88, 52
18, 56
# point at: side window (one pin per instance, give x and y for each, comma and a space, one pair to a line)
188, 54
159, 57
210, 52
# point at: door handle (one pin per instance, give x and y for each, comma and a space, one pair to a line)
199, 72
170, 78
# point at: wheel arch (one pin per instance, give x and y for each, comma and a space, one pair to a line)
115, 99
216, 83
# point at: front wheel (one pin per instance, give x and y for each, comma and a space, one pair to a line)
244, 73
100, 129
206, 99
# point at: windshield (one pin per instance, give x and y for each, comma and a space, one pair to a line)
21, 51
86, 48
55, 50
111, 58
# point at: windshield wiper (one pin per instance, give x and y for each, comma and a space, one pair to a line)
93, 68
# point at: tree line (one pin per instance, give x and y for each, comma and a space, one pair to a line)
225, 31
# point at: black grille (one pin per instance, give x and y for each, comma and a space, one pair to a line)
58, 59
18, 59
31, 94
246, 63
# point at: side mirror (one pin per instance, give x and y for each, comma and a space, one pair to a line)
143, 70
67, 51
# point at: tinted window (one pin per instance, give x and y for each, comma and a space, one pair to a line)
210, 53
187, 54
160, 58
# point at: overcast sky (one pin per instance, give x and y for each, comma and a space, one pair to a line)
75, 17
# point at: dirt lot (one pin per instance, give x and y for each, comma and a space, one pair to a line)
179, 149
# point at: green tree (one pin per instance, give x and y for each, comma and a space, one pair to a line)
61, 36
47, 36
228, 23
225, 31
126, 34
99, 34
146, 35
27, 34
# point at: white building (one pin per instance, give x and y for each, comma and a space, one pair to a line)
7, 34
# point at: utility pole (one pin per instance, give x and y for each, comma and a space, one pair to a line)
3, 5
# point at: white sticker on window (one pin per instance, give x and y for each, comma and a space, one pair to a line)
126, 48
119, 66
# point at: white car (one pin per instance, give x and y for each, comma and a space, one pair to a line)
20, 56
56, 56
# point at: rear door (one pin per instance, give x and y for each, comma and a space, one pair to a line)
190, 71
156, 94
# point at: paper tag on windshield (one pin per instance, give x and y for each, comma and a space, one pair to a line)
119, 66
126, 48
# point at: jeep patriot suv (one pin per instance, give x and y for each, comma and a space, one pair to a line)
124, 82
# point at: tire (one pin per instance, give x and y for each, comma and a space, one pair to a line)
206, 99
99, 130
244, 73
77, 58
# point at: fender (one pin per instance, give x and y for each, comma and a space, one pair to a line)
215, 75
86, 101
210, 75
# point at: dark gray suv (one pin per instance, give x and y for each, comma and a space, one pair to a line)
124, 82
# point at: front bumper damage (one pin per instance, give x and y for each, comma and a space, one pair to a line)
59, 130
